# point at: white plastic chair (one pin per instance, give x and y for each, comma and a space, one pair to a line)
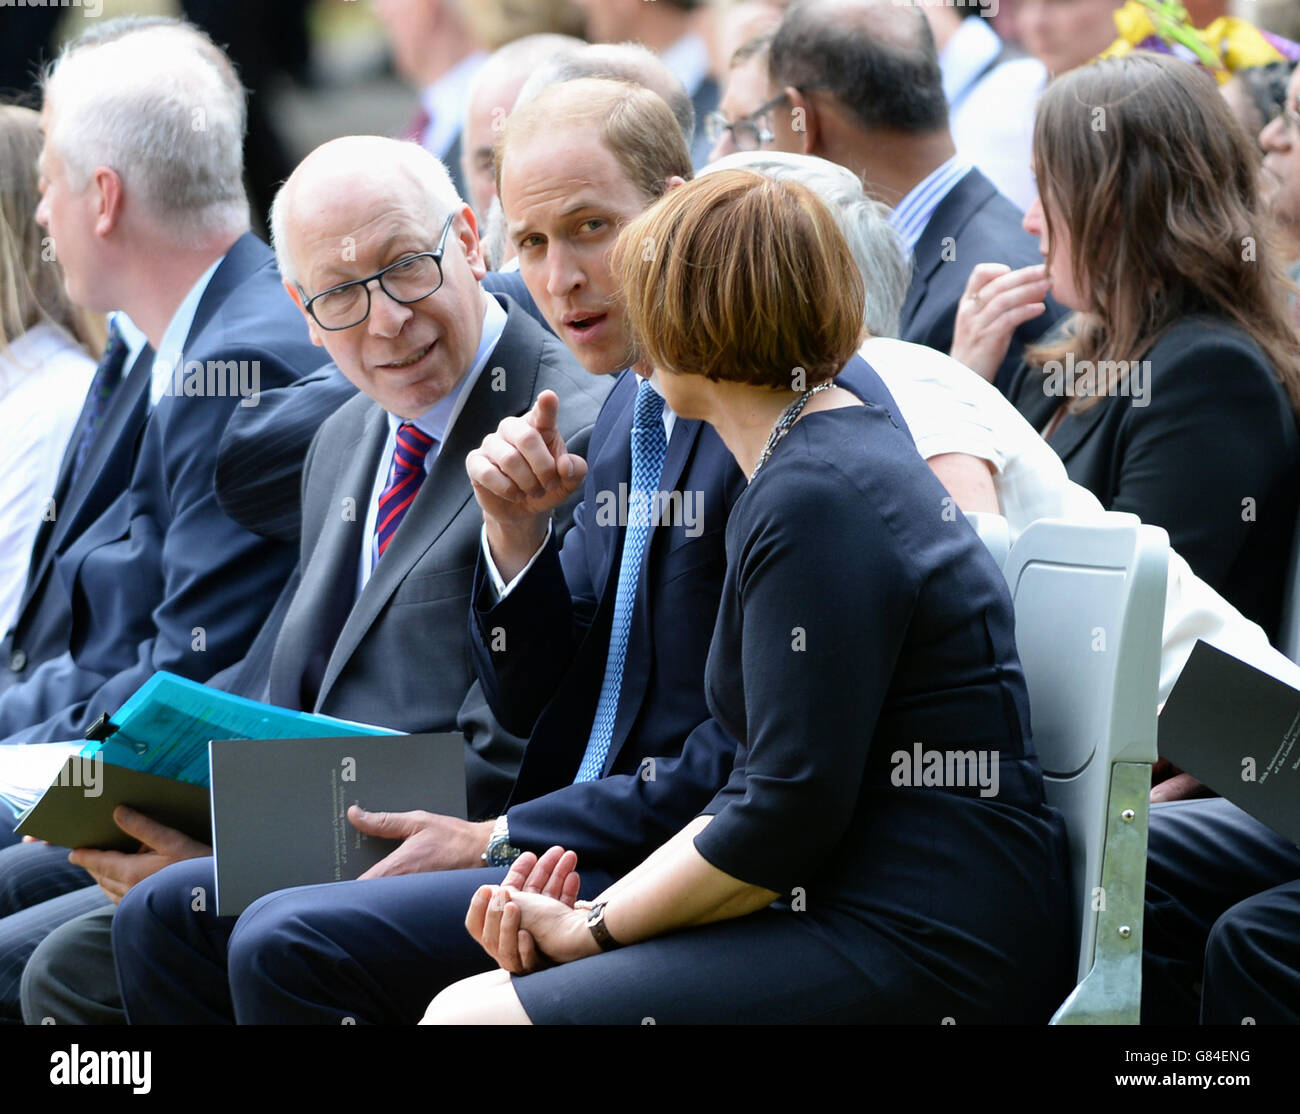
1090, 604
994, 532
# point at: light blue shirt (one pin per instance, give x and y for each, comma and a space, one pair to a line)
168, 364
446, 101
436, 422
913, 212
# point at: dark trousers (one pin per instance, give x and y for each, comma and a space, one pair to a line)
1221, 933
373, 952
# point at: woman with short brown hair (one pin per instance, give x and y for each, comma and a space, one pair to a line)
860, 635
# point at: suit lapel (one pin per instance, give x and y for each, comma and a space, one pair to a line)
328, 587
1075, 428
947, 221
446, 489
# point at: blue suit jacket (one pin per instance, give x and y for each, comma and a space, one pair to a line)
162, 579
973, 224
43, 624
668, 757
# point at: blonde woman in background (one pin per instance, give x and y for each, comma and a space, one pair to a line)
45, 357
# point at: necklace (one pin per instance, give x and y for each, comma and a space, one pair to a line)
787, 419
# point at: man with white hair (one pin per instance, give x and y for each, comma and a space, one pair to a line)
381, 256
142, 194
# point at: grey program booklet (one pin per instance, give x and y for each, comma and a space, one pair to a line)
1237, 730
279, 806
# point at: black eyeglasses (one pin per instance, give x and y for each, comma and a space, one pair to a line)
748, 133
411, 279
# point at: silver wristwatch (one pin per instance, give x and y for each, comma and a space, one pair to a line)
500, 851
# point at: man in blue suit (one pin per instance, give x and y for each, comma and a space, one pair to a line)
858, 82
622, 750
159, 577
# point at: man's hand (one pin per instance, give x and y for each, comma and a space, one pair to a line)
520, 474
117, 872
1177, 786
995, 303
429, 841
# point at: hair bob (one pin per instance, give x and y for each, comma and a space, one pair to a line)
742, 278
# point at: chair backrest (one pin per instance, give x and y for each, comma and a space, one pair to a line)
1089, 602
994, 532
1288, 634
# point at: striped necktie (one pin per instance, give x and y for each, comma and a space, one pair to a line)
649, 447
102, 388
413, 445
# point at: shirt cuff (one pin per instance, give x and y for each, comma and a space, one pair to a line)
501, 588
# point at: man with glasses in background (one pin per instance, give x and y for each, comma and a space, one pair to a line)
1280, 182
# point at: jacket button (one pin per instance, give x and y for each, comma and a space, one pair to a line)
18, 661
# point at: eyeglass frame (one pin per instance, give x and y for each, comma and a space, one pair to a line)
436, 255
753, 119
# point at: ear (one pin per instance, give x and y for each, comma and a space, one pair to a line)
467, 234
673, 182
312, 330
107, 199
803, 123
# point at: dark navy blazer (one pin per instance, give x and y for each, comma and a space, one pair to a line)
43, 623
163, 579
668, 757
972, 224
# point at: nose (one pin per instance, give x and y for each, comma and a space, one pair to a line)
1033, 222
387, 316
563, 274
42, 212
1274, 136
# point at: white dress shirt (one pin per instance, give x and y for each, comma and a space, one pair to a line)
169, 363
992, 116
951, 409
44, 377
446, 101
436, 422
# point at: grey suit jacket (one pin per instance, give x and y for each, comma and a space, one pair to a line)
398, 654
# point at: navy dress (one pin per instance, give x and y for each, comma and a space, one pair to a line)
885, 786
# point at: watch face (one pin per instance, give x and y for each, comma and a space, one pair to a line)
597, 914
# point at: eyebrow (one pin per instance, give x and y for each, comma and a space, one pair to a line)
336, 268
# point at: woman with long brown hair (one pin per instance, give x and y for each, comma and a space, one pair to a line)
45, 355
1171, 391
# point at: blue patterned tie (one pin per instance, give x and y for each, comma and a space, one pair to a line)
649, 447
102, 388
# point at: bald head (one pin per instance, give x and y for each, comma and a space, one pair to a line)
876, 57
627, 62
387, 172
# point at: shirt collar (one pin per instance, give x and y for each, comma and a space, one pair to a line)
172, 348
438, 419
131, 334
688, 58
913, 212
970, 50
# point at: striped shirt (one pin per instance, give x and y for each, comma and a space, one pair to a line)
913, 213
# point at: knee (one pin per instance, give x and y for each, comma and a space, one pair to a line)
167, 901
